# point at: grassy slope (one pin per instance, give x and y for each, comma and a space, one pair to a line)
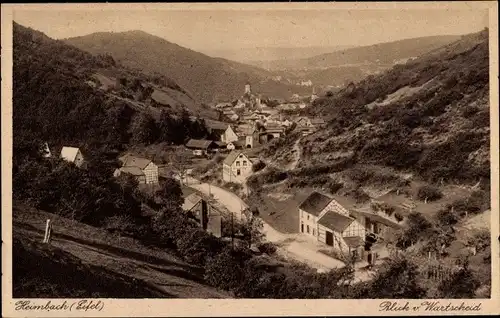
432, 116
123, 266
101, 71
206, 78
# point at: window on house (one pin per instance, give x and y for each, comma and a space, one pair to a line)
314, 234
308, 229
237, 163
244, 162
308, 216
238, 172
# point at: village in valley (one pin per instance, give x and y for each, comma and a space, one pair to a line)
161, 172
331, 230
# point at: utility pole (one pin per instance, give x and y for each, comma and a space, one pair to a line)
232, 230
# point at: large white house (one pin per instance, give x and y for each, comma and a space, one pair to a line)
74, 155
345, 229
236, 167
143, 169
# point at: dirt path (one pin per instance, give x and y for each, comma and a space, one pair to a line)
295, 246
297, 154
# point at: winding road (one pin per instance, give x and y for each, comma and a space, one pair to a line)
295, 246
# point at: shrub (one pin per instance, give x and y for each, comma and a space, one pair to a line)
429, 193
469, 111
197, 246
233, 186
226, 269
268, 248
334, 186
396, 279
417, 227
259, 165
398, 217
360, 196
461, 284
446, 217
361, 175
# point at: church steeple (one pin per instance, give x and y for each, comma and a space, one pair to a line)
248, 89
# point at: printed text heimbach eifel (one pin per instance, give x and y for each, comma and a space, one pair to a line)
80, 305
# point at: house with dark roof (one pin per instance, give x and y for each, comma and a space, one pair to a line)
339, 224
309, 125
236, 167
145, 170
221, 131
206, 215
200, 147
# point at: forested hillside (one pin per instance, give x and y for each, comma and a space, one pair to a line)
56, 99
378, 54
206, 78
429, 117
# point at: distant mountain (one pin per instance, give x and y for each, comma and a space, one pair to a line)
379, 54
257, 56
205, 78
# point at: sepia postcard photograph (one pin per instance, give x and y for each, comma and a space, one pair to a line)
232, 159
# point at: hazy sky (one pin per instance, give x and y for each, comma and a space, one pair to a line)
211, 30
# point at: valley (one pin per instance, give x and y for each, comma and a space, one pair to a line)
361, 172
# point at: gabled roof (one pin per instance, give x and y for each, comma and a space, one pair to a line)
274, 128
135, 171
215, 125
335, 221
302, 118
354, 241
315, 203
131, 161
199, 143
377, 217
317, 121
220, 143
191, 201
246, 129
233, 156
69, 153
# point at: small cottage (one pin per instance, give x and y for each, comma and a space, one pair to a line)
201, 147
274, 131
236, 167
145, 170
74, 155
207, 216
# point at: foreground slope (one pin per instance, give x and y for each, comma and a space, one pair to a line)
85, 261
206, 78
